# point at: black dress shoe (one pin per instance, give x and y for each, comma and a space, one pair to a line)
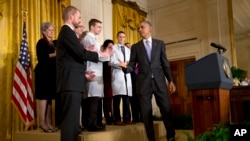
80, 130
129, 122
119, 123
97, 128
109, 122
101, 125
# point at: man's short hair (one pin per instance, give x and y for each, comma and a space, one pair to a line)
70, 10
119, 32
92, 22
147, 22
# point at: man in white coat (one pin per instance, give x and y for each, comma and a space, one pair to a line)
94, 93
121, 82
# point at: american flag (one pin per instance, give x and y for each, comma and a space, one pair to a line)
22, 96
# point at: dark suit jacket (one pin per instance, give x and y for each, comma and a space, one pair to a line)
158, 66
70, 60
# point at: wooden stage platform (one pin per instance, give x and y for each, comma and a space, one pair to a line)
112, 133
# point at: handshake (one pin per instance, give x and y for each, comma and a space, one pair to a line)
122, 64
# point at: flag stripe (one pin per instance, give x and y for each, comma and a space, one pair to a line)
18, 106
18, 81
19, 97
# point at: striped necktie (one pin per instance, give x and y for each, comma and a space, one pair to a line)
123, 52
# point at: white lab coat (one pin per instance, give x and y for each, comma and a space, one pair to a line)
118, 77
94, 88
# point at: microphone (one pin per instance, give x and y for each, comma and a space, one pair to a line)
220, 48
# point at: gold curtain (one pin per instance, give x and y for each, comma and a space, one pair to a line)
11, 23
126, 17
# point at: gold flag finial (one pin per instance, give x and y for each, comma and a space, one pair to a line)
24, 13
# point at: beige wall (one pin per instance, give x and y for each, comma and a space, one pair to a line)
243, 53
98, 9
202, 21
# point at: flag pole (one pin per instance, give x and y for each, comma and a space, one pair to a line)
24, 15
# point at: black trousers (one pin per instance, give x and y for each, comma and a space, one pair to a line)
93, 111
58, 111
84, 112
99, 112
125, 105
70, 103
107, 109
135, 108
134, 101
162, 100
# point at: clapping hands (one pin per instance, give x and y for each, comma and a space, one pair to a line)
103, 53
89, 75
106, 53
91, 48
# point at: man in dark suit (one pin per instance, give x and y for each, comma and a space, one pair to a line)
71, 72
151, 58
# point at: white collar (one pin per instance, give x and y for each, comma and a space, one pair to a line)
120, 45
70, 26
91, 34
149, 39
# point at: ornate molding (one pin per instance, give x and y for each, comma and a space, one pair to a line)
2, 6
65, 3
130, 4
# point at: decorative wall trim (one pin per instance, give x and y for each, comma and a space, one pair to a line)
130, 4
182, 41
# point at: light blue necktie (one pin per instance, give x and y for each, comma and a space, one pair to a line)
148, 49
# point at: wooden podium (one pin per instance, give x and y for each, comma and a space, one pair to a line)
209, 81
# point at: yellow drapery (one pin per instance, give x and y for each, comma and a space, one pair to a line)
126, 17
11, 23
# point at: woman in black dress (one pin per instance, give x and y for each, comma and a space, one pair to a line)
108, 96
45, 76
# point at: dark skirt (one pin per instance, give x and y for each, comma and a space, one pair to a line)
45, 84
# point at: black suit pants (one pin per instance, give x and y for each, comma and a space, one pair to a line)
125, 108
58, 111
92, 111
84, 113
163, 103
134, 102
107, 109
71, 103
